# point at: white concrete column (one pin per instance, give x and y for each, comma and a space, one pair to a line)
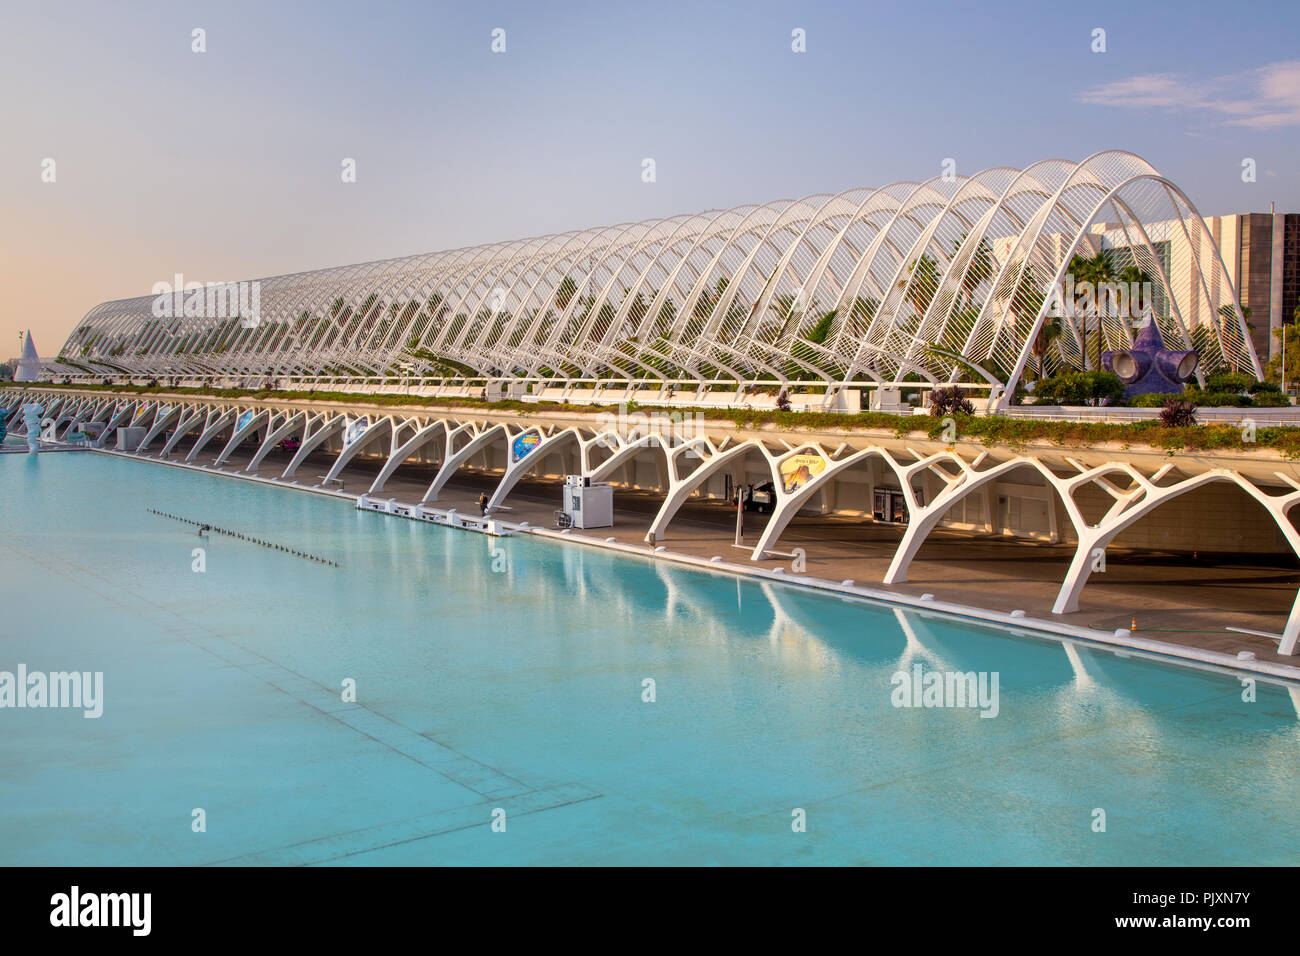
183, 428
347, 453
452, 462
215, 425
310, 442
401, 454
240, 434
274, 436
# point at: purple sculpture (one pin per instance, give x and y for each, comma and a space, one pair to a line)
1150, 368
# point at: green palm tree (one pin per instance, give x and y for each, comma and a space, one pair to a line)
1131, 276
1047, 335
1096, 270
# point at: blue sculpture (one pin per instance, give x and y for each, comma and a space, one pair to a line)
32, 418
1149, 367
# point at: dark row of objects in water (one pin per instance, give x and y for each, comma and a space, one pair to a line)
204, 528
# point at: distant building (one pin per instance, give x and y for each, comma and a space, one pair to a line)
1262, 253
1261, 258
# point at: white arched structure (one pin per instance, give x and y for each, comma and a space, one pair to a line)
950, 280
947, 474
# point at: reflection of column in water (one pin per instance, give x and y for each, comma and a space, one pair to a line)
914, 628
671, 595
604, 583
696, 596
780, 620
499, 565
786, 633
1071, 694
412, 561
419, 550
1081, 677
574, 567
447, 540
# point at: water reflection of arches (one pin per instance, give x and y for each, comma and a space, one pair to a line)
791, 634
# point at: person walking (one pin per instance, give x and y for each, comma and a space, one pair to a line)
482, 503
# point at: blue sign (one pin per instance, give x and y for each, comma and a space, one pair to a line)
523, 445
355, 430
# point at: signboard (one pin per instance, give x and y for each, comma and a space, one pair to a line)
354, 430
798, 470
244, 419
523, 445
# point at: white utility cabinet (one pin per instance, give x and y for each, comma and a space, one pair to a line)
589, 505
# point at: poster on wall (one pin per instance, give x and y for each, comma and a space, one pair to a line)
523, 445
798, 470
354, 430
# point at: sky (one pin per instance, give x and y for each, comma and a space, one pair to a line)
127, 156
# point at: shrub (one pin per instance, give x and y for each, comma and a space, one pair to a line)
1150, 400
1258, 387
1229, 382
1047, 391
1270, 400
1219, 399
949, 401
1079, 388
1178, 413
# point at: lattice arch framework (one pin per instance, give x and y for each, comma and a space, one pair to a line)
943, 281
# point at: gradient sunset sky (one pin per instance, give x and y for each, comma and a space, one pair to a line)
226, 164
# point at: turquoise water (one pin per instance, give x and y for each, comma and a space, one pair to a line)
508, 673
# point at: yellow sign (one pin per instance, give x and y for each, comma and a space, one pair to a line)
798, 470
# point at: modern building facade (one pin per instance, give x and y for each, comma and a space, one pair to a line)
846, 297
1262, 255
